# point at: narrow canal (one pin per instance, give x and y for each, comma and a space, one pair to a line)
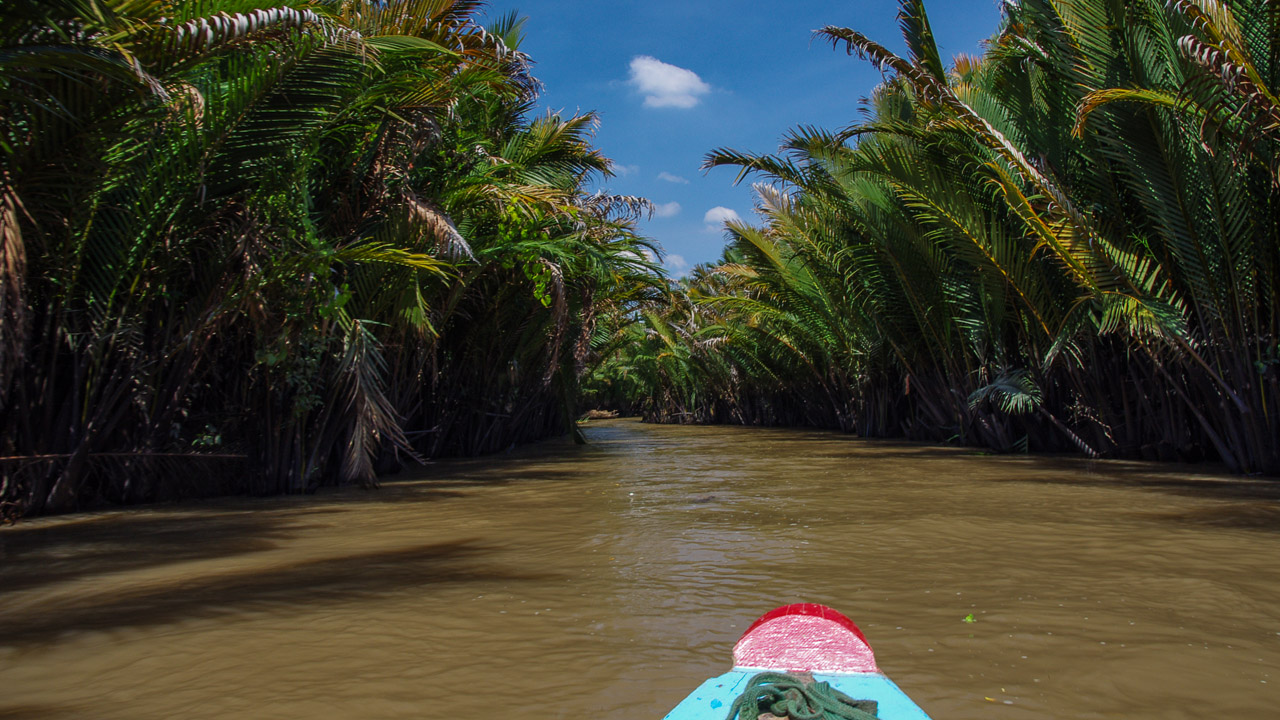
607, 581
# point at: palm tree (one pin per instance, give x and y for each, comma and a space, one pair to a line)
247, 241
971, 264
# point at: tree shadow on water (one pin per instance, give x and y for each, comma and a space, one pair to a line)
35, 555
453, 478
355, 576
1229, 501
43, 712
60, 549
1187, 482
1260, 515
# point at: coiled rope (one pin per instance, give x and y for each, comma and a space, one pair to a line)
787, 696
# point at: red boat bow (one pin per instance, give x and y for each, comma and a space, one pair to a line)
805, 637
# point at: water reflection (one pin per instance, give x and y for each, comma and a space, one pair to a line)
607, 580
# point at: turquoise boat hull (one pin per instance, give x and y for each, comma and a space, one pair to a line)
714, 697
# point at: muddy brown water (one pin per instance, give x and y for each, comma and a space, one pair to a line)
607, 581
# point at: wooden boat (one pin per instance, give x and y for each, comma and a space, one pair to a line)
803, 638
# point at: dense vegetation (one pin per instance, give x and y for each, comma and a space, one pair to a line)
1069, 243
266, 245
260, 246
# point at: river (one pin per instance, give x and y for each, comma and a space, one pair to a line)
606, 581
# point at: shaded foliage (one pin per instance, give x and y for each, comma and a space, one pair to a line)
305, 239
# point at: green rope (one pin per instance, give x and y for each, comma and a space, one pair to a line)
787, 696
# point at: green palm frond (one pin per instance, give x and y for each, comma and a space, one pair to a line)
1015, 392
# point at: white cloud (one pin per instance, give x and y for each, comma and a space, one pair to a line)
666, 210
675, 264
665, 85
664, 175
624, 170
716, 217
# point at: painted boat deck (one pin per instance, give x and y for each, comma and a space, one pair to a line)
712, 699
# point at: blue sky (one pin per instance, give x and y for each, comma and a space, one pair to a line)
672, 80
